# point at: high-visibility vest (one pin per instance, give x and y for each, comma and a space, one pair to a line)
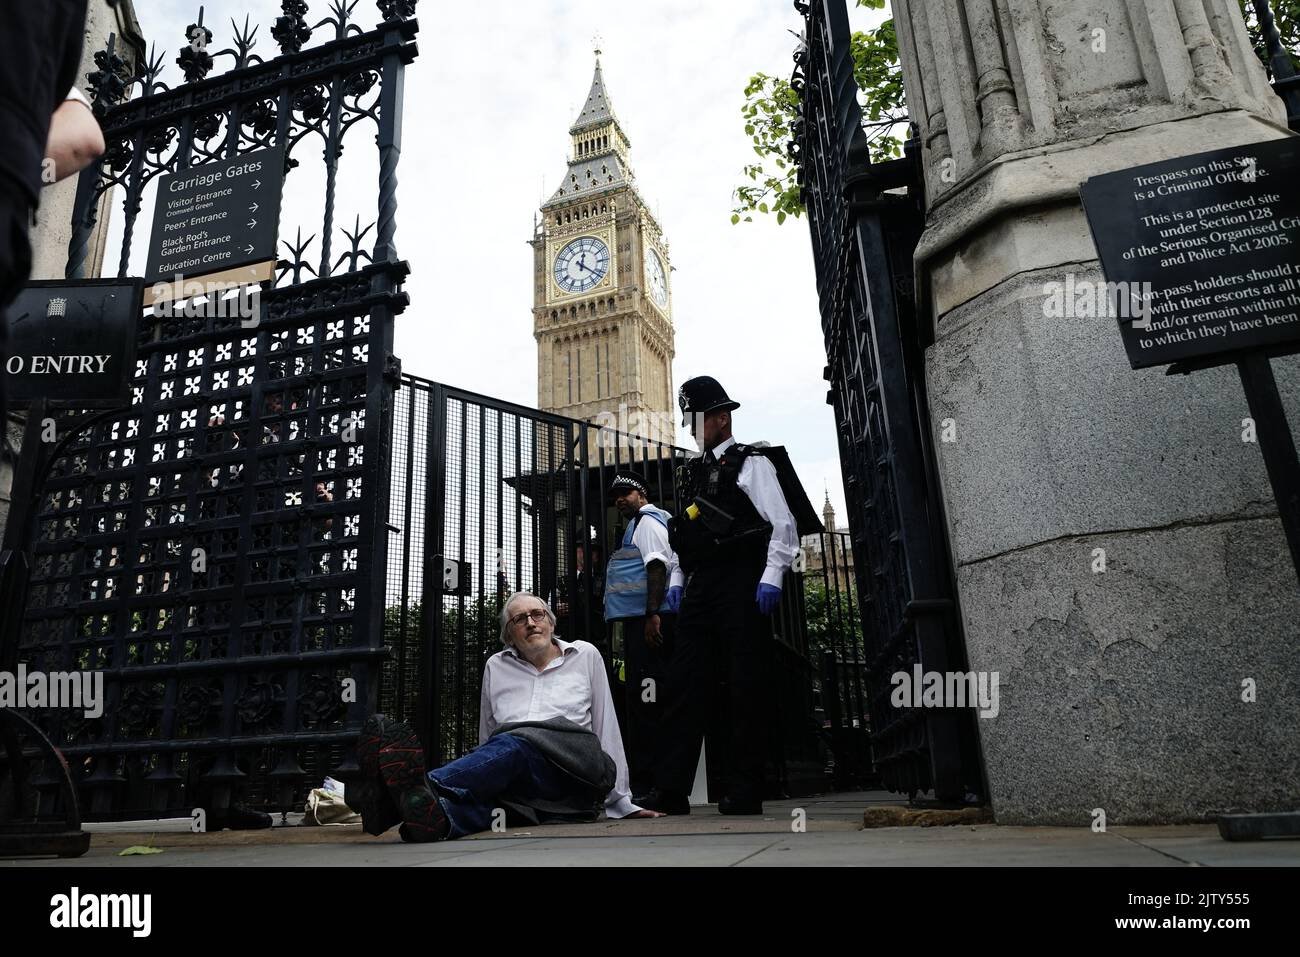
626, 583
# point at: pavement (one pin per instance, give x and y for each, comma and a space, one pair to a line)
832, 835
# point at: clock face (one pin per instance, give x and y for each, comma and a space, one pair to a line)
656, 279
581, 264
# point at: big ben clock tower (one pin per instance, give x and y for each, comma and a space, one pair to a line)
602, 300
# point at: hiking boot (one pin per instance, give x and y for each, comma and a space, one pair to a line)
367, 795
390, 754
423, 819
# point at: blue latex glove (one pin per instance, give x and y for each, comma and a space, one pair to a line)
767, 597
674, 598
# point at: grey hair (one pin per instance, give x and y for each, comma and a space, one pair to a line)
505, 614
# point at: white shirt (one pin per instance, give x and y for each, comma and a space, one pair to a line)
574, 686
757, 479
650, 536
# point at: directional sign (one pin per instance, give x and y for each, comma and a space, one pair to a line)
1208, 245
217, 217
74, 341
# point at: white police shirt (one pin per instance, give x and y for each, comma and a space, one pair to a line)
758, 480
650, 537
574, 686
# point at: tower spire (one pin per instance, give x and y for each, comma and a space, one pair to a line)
596, 109
598, 159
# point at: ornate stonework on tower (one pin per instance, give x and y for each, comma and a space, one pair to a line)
602, 306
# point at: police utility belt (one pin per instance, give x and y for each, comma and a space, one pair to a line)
627, 586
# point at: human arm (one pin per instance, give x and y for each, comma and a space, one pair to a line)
758, 480
656, 586
75, 140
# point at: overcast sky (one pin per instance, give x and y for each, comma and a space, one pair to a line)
489, 103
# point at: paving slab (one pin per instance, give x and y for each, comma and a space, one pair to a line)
833, 836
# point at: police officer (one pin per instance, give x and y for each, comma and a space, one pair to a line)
636, 595
735, 537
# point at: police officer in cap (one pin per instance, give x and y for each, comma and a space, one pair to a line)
636, 596
735, 537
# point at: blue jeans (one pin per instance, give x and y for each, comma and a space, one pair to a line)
469, 787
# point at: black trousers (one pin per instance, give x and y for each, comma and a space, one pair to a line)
15, 264
645, 693
723, 644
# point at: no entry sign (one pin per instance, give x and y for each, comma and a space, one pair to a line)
74, 342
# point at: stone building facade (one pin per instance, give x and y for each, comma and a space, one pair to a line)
1118, 553
602, 299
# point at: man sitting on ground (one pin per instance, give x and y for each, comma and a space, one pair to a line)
549, 744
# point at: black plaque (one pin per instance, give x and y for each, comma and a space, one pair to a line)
1217, 238
74, 342
217, 216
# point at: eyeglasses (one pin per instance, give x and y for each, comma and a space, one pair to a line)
537, 616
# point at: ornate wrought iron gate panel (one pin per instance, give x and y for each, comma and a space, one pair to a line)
864, 232
217, 548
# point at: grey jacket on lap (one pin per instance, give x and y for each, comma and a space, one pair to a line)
576, 751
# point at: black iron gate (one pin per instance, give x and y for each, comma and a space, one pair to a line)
508, 498
865, 221
211, 549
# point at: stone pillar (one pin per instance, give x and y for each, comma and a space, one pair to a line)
1120, 689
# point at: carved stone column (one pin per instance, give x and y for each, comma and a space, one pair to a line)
1121, 688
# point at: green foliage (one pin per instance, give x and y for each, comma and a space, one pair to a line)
831, 618
469, 636
771, 108
771, 105
1286, 16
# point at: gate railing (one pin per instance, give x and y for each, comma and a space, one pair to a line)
835, 638
211, 548
1281, 66
865, 220
512, 498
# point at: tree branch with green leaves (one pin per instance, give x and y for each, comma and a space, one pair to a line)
772, 106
